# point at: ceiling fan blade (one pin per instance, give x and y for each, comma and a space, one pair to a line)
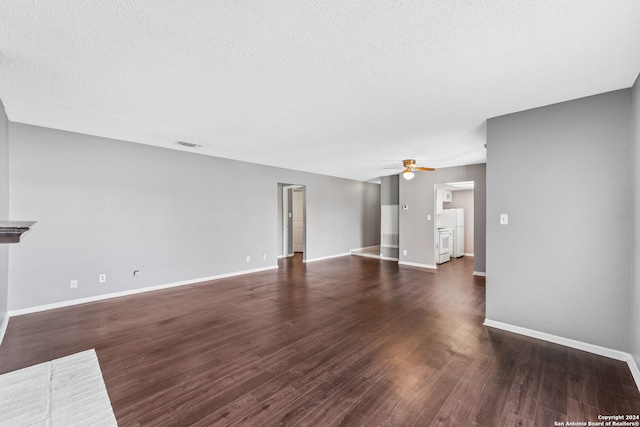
424, 169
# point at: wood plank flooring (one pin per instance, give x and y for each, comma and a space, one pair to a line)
349, 341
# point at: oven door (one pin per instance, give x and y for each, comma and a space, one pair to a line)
445, 246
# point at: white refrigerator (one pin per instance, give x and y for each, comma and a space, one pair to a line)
454, 218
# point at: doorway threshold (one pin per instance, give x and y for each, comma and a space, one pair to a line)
371, 252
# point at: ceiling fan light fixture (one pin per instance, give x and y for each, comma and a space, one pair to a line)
408, 175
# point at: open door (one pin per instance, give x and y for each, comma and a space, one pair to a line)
298, 219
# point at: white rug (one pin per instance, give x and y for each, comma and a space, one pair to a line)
68, 391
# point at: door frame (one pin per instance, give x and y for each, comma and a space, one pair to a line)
287, 230
437, 185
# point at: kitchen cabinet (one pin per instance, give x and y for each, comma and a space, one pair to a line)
442, 196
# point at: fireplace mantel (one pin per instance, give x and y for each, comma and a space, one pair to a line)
10, 231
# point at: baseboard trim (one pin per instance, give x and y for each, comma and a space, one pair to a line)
468, 255
635, 372
326, 257
480, 273
567, 342
366, 255
415, 264
365, 248
378, 257
3, 327
62, 304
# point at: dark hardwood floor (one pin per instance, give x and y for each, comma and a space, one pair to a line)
348, 341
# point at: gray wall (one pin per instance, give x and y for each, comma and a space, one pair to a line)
389, 190
371, 215
563, 173
635, 300
417, 233
4, 210
109, 206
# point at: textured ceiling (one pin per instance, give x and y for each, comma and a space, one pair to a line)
343, 88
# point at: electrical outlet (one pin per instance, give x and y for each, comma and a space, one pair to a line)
248, 258
264, 256
404, 252
136, 273
73, 284
102, 278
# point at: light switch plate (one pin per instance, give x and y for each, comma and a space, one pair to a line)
504, 219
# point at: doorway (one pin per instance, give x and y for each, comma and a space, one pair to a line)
298, 219
455, 214
293, 220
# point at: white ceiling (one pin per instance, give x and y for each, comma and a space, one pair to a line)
342, 88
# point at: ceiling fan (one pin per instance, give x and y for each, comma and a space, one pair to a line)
410, 167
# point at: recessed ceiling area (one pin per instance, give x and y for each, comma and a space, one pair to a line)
457, 186
338, 88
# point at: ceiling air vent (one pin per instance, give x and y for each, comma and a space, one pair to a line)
189, 144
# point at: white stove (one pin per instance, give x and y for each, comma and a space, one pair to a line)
444, 244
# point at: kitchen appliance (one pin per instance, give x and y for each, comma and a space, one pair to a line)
444, 244
454, 219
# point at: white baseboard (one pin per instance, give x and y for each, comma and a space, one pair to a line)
635, 372
69, 303
379, 257
3, 327
468, 254
415, 264
325, 257
365, 255
365, 248
480, 273
567, 342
